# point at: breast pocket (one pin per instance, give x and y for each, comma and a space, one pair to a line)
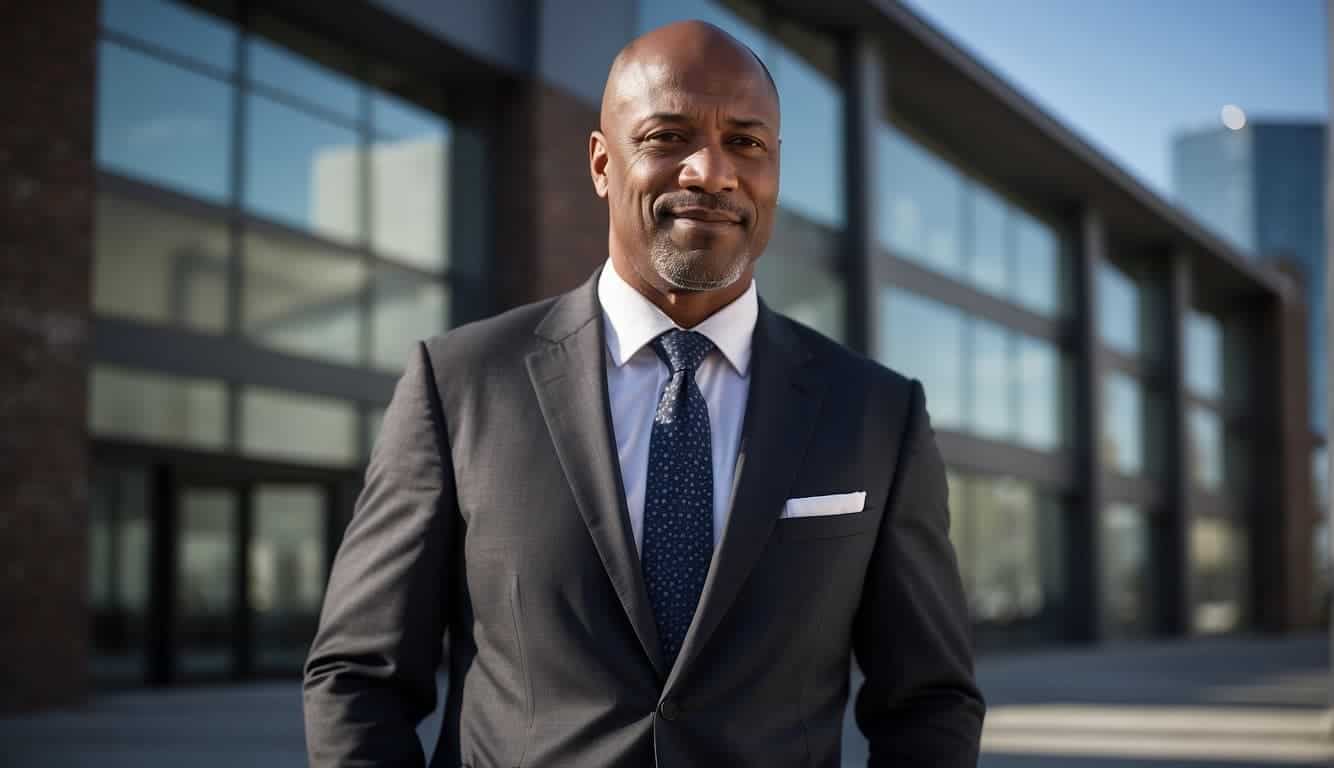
862, 522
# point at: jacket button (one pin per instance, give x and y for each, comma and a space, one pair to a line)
669, 710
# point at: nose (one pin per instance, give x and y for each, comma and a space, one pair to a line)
708, 169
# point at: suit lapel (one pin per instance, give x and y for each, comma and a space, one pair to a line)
781, 411
571, 384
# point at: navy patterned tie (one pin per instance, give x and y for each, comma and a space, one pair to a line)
678, 502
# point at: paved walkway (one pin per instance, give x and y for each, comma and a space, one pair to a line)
1201, 704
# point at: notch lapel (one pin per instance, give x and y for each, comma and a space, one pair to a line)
781, 410
570, 380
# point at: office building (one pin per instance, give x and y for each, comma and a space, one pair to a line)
228, 221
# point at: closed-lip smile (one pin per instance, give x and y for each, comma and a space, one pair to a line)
705, 214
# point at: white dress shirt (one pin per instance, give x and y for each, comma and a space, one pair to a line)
636, 377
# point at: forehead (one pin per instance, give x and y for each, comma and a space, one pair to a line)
694, 85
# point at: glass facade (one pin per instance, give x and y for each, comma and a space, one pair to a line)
1218, 575
1128, 586
979, 377
1009, 538
933, 215
289, 201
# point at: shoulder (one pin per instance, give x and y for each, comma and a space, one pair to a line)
498, 342
847, 369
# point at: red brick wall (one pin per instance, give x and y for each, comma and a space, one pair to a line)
47, 55
551, 228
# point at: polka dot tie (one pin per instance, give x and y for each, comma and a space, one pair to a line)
678, 502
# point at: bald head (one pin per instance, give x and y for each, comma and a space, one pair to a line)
675, 47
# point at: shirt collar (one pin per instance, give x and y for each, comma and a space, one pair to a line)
632, 321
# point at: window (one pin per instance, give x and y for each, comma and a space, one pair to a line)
924, 340
1204, 355
990, 402
176, 133
1206, 449
1037, 260
174, 27
301, 298
302, 170
1123, 424
1041, 393
298, 427
339, 181
1218, 574
1127, 571
1010, 542
118, 577
160, 266
921, 204
139, 405
989, 251
1118, 310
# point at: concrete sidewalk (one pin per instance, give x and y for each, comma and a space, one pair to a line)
1196, 704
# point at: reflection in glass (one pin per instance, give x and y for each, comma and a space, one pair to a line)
405, 309
302, 171
924, 340
990, 402
175, 27
1204, 355
1123, 424
1127, 571
988, 262
207, 544
1037, 265
1218, 567
138, 405
1206, 449
796, 277
304, 428
921, 204
1118, 310
118, 563
961, 529
159, 266
812, 119
1009, 565
410, 184
300, 78
287, 569
299, 298
1040, 394
163, 124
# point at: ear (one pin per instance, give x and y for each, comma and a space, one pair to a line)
597, 162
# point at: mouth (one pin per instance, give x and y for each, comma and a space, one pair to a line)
704, 215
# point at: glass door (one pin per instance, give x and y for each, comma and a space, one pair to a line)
287, 559
205, 609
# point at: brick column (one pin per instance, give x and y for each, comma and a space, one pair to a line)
46, 199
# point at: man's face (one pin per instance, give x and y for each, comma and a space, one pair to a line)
688, 162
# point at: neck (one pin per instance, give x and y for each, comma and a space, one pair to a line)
686, 308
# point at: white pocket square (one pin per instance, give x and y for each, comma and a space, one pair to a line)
821, 506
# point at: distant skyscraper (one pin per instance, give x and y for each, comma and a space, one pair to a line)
1263, 188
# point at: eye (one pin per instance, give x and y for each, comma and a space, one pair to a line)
746, 142
666, 137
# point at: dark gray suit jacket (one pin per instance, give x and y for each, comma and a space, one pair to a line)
493, 508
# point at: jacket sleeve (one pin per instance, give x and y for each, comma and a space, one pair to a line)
919, 705
370, 677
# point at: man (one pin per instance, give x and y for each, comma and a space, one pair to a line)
654, 516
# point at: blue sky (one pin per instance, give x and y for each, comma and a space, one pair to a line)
1128, 75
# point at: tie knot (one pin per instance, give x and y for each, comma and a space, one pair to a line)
682, 350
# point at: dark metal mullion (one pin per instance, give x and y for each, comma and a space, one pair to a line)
367, 307
168, 56
242, 614
865, 98
234, 327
